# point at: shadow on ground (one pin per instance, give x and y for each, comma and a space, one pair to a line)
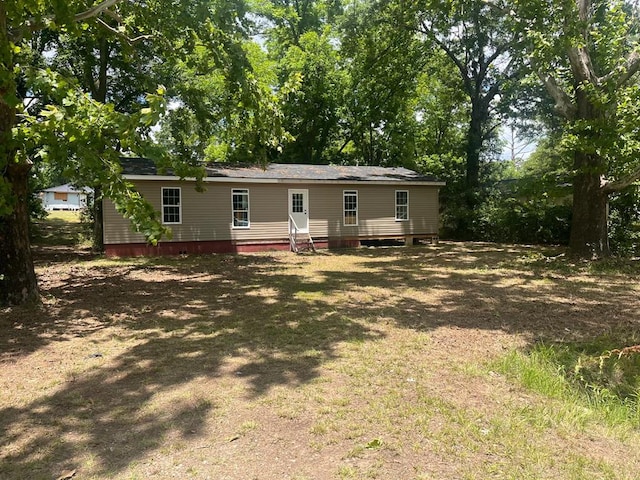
265, 318
54, 231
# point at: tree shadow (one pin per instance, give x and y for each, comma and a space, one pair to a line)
53, 231
270, 320
183, 320
487, 287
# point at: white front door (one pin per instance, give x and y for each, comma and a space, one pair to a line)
299, 209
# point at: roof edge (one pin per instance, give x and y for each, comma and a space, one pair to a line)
169, 178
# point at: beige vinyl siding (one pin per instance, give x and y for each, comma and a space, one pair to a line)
207, 215
268, 212
376, 211
117, 229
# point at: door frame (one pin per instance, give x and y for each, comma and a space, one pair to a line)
305, 208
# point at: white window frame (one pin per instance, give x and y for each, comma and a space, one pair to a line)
350, 193
166, 205
240, 191
406, 205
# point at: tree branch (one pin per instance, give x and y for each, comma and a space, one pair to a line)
95, 10
115, 31
584, 9
34, 25
630, 68
114, 15
581, 64
624, 182
463, 68
487, 134
564, 104
500, 49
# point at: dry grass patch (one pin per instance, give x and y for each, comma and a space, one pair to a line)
370, 363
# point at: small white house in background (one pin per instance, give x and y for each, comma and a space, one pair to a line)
65, 197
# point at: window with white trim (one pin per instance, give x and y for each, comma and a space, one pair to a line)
402, 205
171, 205
350, 203
240, 207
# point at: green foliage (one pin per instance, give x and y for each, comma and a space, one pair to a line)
503, 218
374, 444
289, 20
451, 170
81, 134
88, 218
312, 111
389, 83
90, 103
385, 61
586, 55
218, 117
589, 374
441, 114
624, 218
532, 207
511, 209
537, 370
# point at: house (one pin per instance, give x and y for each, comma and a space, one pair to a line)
65, 197
251, 208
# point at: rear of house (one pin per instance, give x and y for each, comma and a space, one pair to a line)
251, 208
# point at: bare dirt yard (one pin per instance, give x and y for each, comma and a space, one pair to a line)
368, 363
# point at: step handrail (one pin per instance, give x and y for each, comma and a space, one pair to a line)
293, 235
294, 230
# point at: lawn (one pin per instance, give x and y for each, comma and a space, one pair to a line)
58, 228
430, 362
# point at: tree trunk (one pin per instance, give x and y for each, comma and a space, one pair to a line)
100, 96
475, 138
479, 114
589, 236
19, 284
589, 223
98, 231
17, 276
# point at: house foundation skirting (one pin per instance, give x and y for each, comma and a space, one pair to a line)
203, 247
408, 240
244, 246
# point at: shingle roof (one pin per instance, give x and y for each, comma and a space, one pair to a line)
280, 171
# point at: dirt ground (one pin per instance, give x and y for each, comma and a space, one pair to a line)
369, 363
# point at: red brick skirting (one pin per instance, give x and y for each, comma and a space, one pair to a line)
181, 248
231, 246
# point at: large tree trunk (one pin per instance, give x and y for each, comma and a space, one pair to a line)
479, 116
18, 282
589, 224
19, 285
475, 138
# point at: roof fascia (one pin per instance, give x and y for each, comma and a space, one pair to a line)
169, 178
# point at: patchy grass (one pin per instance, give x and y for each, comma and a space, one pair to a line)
59, 228
596, 381
449, 361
